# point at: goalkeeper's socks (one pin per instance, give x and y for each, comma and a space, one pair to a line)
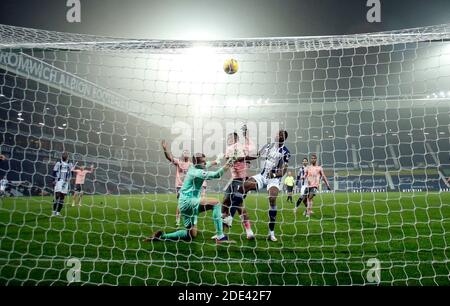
181, 234
217, 219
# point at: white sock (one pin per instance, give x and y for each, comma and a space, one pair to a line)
272, 233
249, 231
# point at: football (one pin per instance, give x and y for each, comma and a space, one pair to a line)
230, 66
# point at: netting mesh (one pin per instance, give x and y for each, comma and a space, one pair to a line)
373, 107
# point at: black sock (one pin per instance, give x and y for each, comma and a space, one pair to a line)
236, 201
60, 205
299, 201
272, 217
55, 204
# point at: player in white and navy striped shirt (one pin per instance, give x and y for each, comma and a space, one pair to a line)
276, 157
3, 185
302, 184
62, 172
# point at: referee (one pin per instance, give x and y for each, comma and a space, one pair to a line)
289, 182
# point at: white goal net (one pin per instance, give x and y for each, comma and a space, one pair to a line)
374, 108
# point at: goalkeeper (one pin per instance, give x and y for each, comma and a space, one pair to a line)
191, 204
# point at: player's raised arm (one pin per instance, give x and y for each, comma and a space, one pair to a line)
210, 175
263, 151
167, 154
73, 166
215, 162
324, 178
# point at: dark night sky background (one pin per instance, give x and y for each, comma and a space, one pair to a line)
202, 19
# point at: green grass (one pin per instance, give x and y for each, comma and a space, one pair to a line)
370, 172
409, 233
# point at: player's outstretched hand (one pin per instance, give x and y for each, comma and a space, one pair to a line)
164, 144
230, 162
219, 158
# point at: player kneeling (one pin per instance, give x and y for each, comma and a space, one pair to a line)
191, 203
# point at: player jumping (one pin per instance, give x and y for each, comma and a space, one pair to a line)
233, 199
313, 175
62, 171
276, 156
191, 204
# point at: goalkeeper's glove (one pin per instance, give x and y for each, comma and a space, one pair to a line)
219, 158
230, 161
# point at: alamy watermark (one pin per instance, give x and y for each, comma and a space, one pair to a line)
373, 275
73, 14
374, 12
210, 137
74, 273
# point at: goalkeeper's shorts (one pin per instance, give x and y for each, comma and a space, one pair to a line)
189, 209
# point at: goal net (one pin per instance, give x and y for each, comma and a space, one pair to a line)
374, 108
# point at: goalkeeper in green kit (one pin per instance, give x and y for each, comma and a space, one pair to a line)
191, 204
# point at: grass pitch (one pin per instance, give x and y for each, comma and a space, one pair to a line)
409, 233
